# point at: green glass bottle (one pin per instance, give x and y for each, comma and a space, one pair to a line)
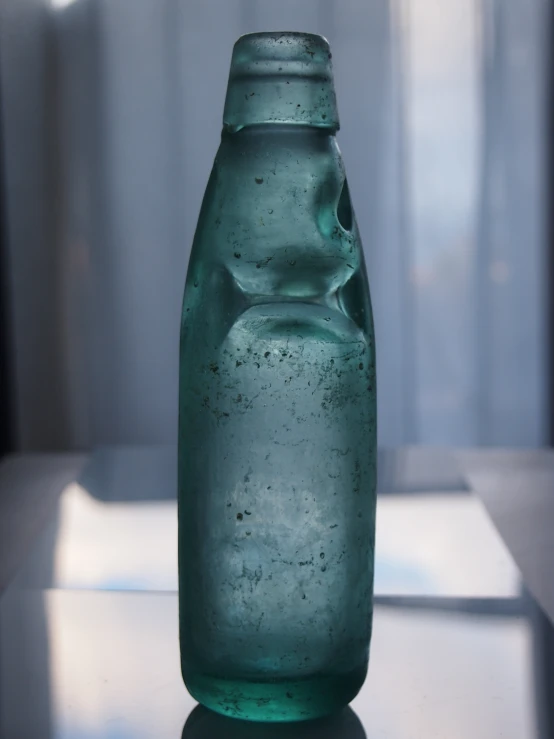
277, 425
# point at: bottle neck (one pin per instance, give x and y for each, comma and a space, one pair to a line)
281, 78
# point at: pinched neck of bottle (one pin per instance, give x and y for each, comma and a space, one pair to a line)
281, 78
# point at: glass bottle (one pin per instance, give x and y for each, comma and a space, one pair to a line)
277, 421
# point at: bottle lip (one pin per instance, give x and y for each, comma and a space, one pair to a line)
312, 37
281, 77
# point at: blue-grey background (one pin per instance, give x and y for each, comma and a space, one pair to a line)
111, 112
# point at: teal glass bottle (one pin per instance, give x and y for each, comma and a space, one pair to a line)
277, 418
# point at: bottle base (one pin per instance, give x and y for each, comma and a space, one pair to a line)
276, 700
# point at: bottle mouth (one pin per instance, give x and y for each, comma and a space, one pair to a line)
281, 77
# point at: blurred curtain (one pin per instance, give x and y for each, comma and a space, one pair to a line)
5, 379
443, 132
511, 342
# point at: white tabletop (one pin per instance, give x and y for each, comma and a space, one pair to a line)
88, 624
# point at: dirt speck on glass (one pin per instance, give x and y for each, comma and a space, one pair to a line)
277, 411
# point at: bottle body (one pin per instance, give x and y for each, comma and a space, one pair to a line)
277, 435
277, 431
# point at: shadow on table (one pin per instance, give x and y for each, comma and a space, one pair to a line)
135, 474
204, 724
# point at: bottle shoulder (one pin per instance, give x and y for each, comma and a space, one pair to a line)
270, 214
277, 225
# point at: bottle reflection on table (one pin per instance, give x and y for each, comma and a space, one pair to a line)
205, 724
